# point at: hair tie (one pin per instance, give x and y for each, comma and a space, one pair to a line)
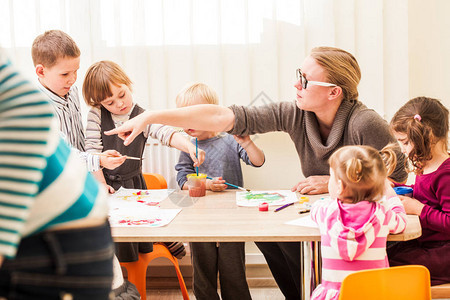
418, 117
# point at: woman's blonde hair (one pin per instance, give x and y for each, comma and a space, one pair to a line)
98, 80
341, 67
363, 171
189, 93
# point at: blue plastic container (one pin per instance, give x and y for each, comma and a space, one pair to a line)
403, 191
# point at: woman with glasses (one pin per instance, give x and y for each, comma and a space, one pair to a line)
325, 116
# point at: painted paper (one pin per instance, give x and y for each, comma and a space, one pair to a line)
147, 197
273, 198
131, 208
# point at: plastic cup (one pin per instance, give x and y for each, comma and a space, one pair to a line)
403, 191
196, 184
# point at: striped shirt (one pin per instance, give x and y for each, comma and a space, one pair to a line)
42, 182
94, 136
69, 115
68, 112
354, 238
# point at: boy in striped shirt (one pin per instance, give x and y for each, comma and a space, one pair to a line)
56, 58
357, 218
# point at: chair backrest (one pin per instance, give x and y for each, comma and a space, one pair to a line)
155, 181
395, 283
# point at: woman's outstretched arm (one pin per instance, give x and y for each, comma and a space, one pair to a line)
201, 117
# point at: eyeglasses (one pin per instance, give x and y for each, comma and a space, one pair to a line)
304, 82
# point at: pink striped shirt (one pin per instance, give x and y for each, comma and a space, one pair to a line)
354, 238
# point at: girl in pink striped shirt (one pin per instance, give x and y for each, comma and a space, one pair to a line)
355, 221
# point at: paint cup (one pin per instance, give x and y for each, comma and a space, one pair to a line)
403, 191
196, 184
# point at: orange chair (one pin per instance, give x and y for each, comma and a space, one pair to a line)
397, 283
155, 181
137, 270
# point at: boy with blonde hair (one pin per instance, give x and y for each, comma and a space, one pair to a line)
56, 58
222, 163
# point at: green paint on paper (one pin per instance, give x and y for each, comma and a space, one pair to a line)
268, 197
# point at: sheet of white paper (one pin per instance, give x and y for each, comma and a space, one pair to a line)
129, 213
149, 197
273, 198
305, 221
132, 207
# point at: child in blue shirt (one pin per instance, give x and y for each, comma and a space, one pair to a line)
222, 162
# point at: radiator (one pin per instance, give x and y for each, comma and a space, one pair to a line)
162, 160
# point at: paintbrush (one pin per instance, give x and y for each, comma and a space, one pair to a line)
127, 157
196, 153
235, 186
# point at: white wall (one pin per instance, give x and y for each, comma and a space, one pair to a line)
282, 167
429, 49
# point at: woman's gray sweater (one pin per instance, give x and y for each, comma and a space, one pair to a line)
354, 124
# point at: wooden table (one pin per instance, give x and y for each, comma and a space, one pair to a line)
217, 218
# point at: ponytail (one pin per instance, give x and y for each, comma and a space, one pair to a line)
389, 158
362, 171
354, 169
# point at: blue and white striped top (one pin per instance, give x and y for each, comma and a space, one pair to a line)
43, 183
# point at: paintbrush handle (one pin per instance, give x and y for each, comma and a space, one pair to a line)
196, 153
127, 157
235, 186
134, 158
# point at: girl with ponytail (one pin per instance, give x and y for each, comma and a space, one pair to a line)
361, 212
421, 127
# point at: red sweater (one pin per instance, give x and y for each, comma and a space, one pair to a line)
433, 190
